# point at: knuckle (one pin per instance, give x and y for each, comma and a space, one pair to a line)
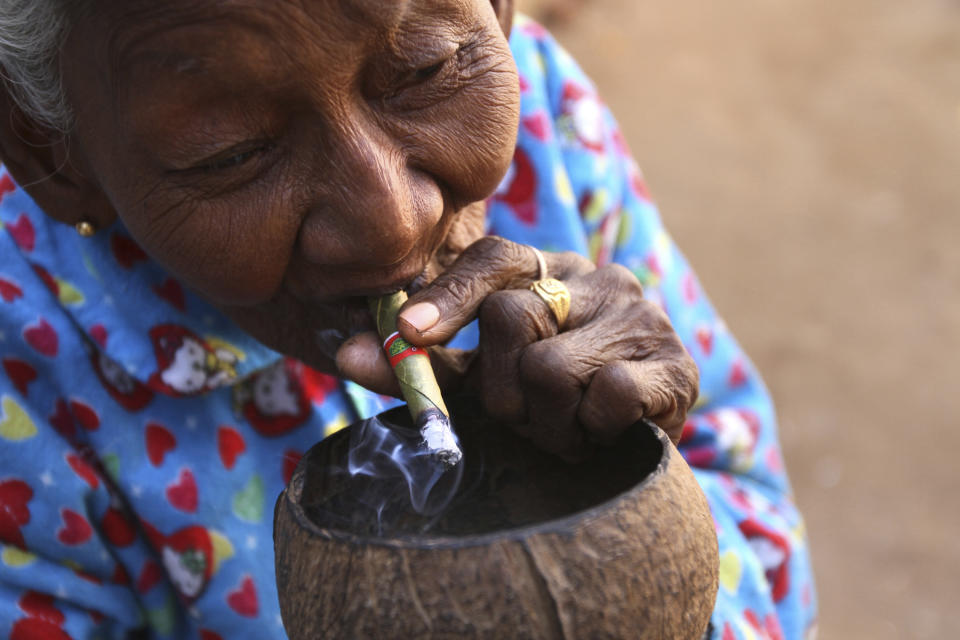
682, 383
457, 285
544, 365
572, 263
485, 245
496, 250
623, 279
615, 375
500, 307
509, 313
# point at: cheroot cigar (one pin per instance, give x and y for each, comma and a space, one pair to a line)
418, 383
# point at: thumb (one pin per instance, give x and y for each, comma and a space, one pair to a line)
361, 359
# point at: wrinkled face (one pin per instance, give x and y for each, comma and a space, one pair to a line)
285, 158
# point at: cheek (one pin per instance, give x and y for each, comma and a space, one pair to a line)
232, 249
474, 134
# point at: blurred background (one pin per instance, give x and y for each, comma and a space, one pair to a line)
805, 155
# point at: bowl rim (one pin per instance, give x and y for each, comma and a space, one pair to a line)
290, 496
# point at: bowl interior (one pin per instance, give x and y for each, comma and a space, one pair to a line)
503, 483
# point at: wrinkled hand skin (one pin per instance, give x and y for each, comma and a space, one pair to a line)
616, 360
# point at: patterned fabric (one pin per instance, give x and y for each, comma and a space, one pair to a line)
143, 438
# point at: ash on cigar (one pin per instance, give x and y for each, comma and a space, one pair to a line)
374, 479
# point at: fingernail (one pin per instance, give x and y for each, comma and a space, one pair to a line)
421, 316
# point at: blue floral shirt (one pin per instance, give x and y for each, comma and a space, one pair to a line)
144, 438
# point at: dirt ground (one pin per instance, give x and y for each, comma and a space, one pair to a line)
806, 156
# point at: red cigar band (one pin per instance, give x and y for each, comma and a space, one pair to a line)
399, 349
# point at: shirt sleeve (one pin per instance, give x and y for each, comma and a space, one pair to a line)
60, 577
577, 152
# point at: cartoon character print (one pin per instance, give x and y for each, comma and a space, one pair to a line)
186, 364
581, 117
773, 551
736, 431
274, 401
14, 511
187, 556
122, 387
518, 189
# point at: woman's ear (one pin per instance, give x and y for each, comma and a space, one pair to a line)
504, 10
41, 161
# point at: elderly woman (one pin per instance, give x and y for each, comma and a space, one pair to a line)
199, 196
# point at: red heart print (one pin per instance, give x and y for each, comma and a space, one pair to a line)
690, 289
230, 444
6, 185
14, 512
83, 470
9, 291
182, 493
291, 459
150, 575
159, 442
705, 339
85, 415
120, 575
206, 634
316, 385
99, 333
34, 628
243, 600
42, 337
40, 605
653, 264
20, 373
62, 420
47, 279
117, 528
126, 251
75, 530
738, 374
538, 124
89, 577
171, 291
23, 232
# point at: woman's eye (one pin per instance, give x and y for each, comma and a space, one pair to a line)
428, 72
229, 162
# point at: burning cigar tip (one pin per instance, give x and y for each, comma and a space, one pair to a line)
439, 440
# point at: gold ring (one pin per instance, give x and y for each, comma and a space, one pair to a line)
556, 295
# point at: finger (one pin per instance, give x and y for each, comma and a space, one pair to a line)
552, 379
362, 360
622, 392
435, 313
510, 321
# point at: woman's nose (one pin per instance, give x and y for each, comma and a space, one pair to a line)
371, 207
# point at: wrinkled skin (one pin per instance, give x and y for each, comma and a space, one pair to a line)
285, 159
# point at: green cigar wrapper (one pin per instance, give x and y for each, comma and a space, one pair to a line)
418, 383
411, 364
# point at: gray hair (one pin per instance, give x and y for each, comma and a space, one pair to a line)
32, 33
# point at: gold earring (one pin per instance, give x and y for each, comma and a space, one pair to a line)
86, 228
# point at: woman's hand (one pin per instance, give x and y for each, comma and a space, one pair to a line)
616, 359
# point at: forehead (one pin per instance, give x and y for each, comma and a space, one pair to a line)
140, 30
